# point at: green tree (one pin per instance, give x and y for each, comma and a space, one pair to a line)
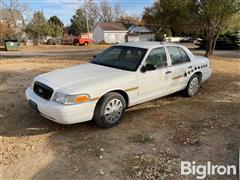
55, 20
194, 17
38, 26
178, 16
216, 16
55, 27
160, 35
78, 23
54, 30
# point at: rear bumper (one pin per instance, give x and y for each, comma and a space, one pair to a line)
63, 114
206, 74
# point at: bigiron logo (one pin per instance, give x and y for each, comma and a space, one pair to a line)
202, 171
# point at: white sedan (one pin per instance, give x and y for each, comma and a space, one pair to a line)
120, 77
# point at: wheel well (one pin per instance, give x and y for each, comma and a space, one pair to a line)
199, 75
123, 93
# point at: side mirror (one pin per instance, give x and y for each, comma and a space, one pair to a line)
94, 56
148, 67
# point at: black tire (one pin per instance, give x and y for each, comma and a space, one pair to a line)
99, 113
187, 90
85, 43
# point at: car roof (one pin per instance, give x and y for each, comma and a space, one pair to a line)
148, 44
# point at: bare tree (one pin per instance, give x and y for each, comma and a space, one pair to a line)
106, 13
92, 13
15, 14
118, 12
127, 19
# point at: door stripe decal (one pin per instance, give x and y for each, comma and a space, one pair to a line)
177, 77
131, 89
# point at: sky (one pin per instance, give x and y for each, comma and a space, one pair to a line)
65, 9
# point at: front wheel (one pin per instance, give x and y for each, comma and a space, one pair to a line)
109, 110
193, 86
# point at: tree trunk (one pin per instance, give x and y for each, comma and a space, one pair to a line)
211, 44
215, 42
209, 49
209, 40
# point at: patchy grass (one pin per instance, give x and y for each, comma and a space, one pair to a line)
141, 138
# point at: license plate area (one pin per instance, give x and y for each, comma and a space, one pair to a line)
33, 106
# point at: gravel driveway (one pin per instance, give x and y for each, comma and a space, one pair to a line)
148, 144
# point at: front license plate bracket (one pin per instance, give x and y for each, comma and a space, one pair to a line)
33, 106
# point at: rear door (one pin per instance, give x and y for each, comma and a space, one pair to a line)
180, 65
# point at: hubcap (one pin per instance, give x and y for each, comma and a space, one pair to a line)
113, 110
193, 87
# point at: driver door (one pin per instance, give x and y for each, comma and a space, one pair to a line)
155, 83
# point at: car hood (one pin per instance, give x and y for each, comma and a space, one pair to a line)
84, 76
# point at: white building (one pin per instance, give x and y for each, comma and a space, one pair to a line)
110, 33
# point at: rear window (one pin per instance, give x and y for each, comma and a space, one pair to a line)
178, 55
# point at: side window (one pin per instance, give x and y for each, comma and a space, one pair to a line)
185, 57
157, 57
178, 55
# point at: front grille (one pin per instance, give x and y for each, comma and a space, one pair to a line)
43, 90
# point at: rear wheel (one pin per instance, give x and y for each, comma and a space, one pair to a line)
193, 86
109, 110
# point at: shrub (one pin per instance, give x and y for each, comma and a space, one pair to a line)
159, 36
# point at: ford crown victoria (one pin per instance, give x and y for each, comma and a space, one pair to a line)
120, 77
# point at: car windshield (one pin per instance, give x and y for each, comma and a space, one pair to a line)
121, 57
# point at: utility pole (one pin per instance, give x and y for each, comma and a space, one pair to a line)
85, 2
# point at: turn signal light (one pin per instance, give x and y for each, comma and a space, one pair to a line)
81, 99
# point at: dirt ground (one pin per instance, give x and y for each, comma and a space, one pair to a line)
148, 144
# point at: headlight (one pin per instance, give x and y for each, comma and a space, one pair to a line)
70, 99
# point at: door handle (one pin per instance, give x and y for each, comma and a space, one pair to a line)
168, 72
189, 67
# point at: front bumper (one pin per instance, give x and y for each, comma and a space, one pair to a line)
63, 114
